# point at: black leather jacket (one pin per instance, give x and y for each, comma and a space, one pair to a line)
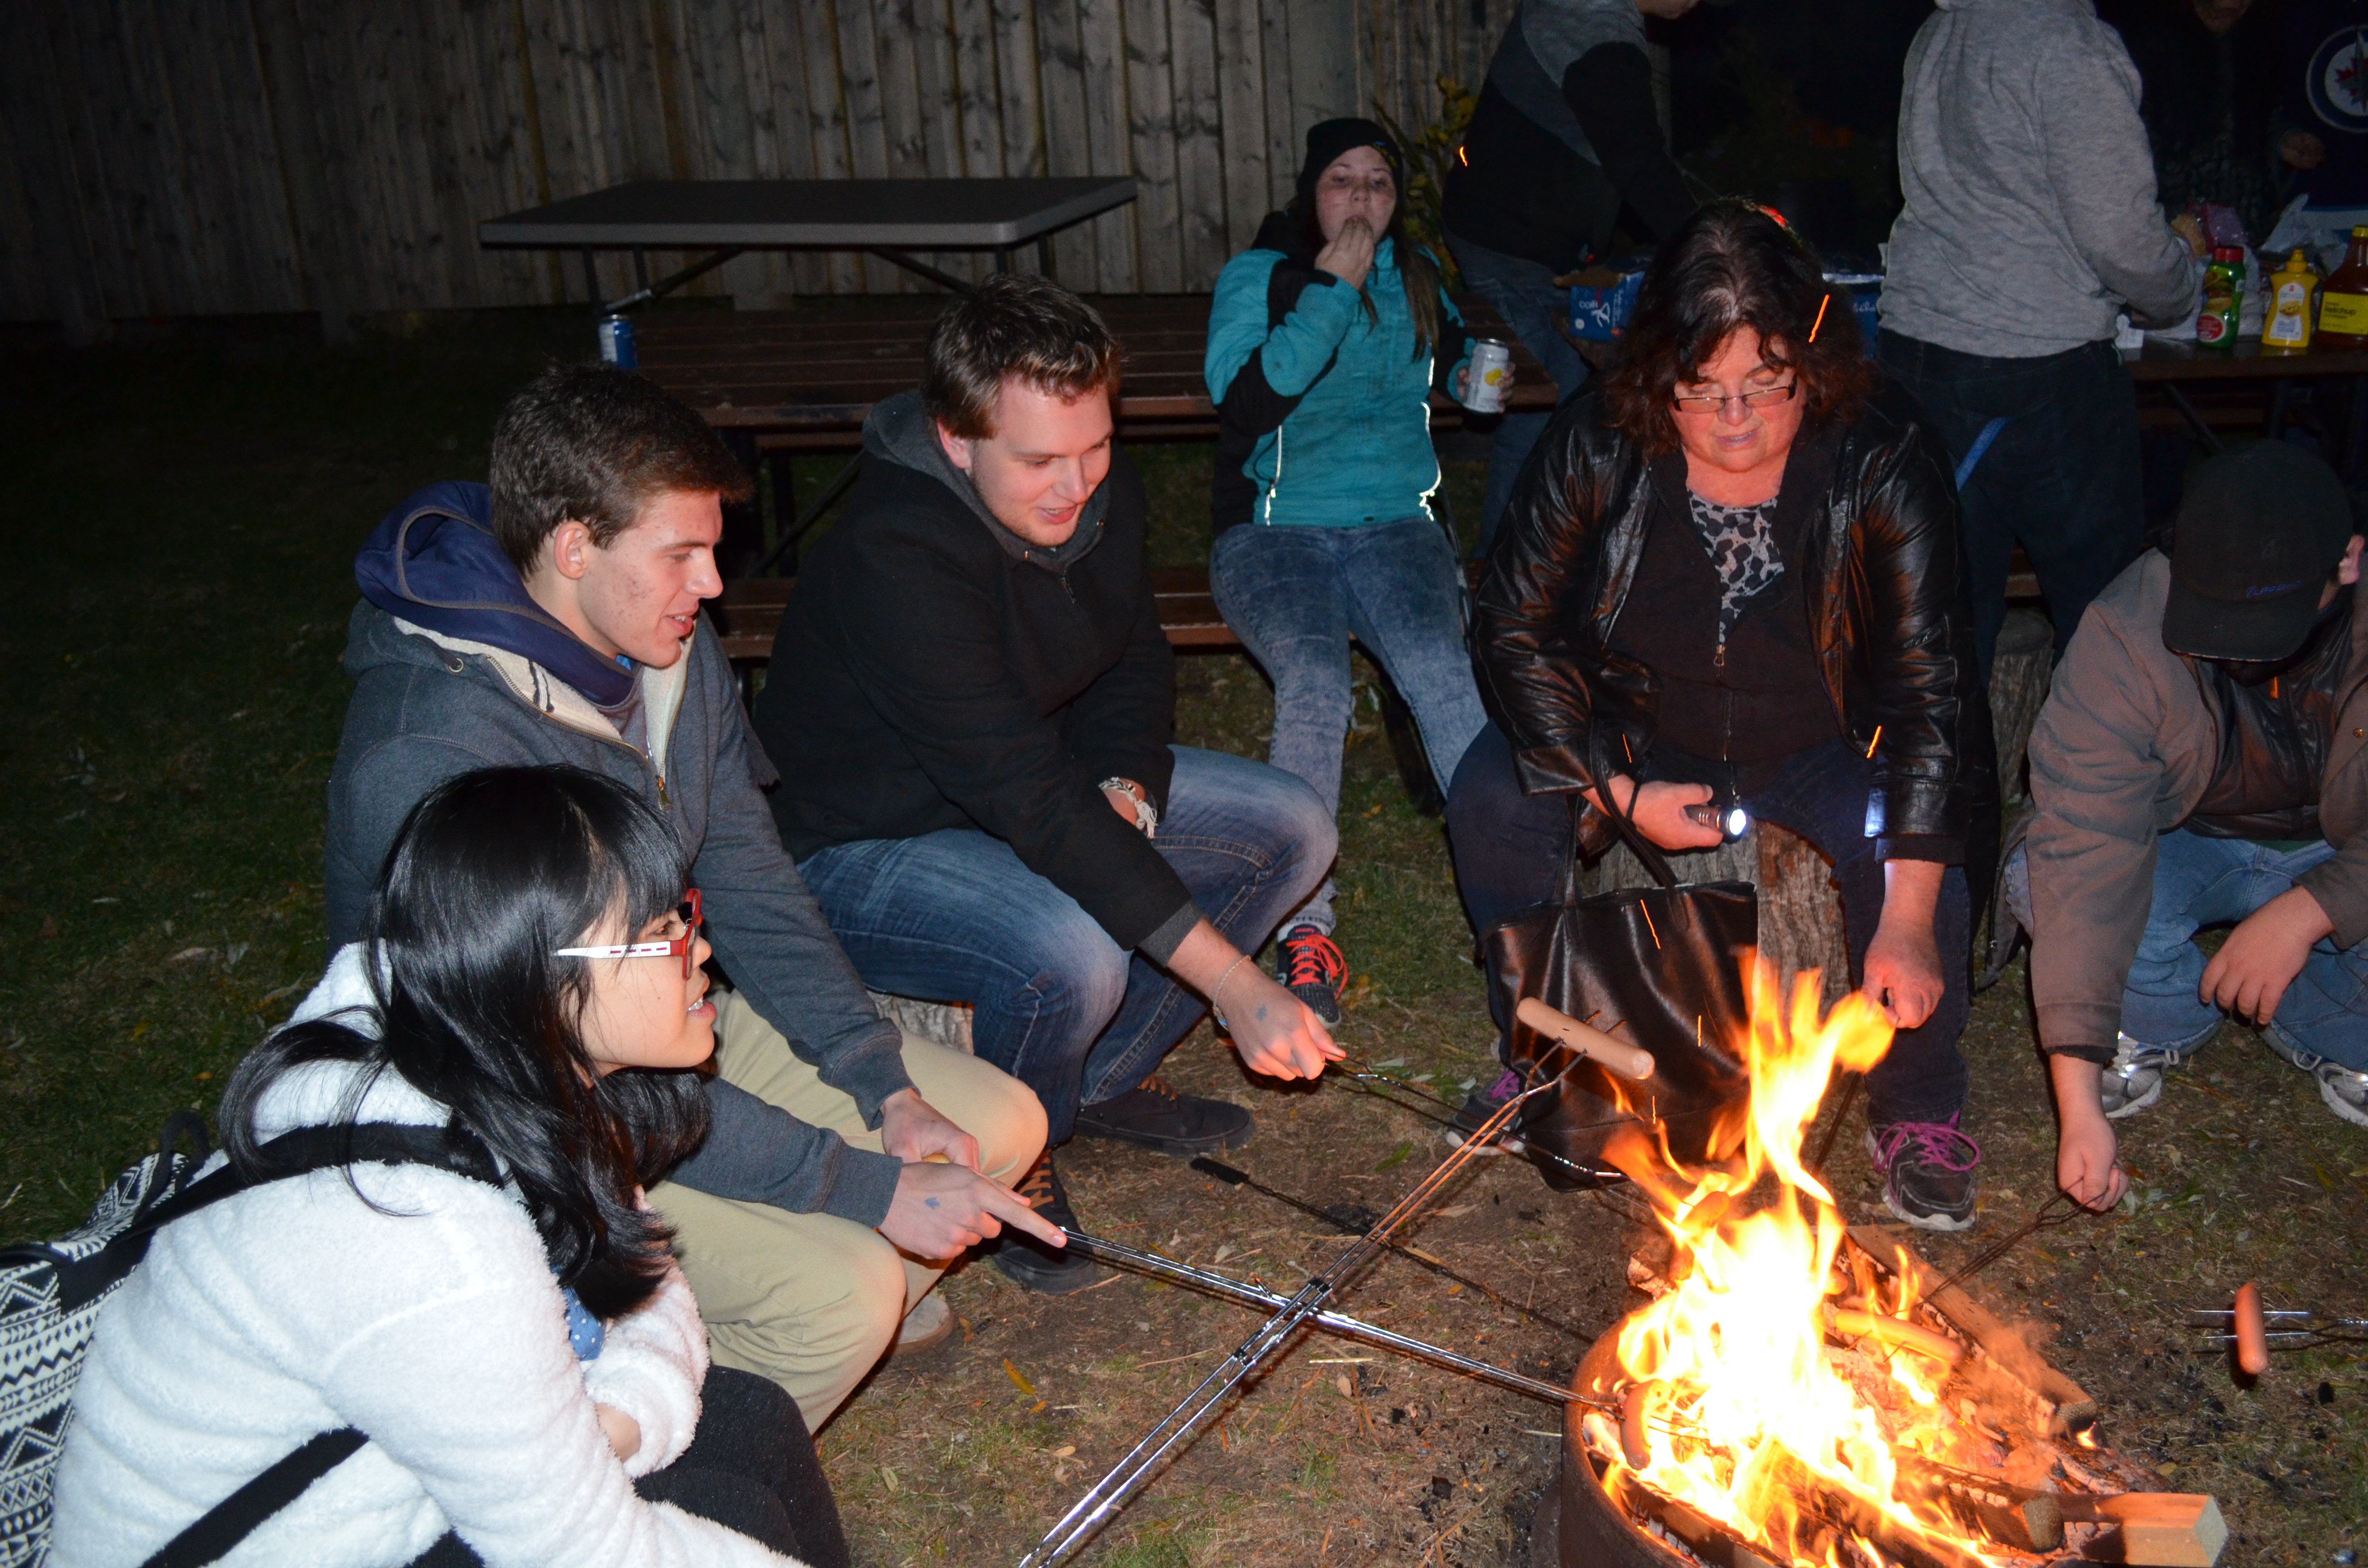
1886, 596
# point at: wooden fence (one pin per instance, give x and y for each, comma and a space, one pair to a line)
165, 157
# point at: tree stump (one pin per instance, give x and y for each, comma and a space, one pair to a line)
939, 1023
1800, 905
2019, 683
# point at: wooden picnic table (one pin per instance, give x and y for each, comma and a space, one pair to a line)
2209, 391
887, 218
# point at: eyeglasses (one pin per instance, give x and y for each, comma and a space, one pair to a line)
1716, 403
688, 914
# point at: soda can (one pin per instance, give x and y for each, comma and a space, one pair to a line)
616, 342
1491, 367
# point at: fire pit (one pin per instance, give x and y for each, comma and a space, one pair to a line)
1798, 1393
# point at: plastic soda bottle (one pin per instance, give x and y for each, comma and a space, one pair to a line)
2343, 299
2224, 300
2291, 287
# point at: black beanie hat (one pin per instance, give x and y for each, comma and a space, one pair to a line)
1327, 139
2257, 532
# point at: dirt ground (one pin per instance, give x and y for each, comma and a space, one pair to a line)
1343, 1454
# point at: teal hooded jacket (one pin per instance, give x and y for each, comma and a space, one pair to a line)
1333, 406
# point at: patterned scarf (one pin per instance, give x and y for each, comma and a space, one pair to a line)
1742, 545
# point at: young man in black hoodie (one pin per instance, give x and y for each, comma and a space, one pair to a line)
553, 617
971, 701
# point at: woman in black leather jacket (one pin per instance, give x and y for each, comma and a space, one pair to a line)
1733, 575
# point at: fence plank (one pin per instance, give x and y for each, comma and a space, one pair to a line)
1066, 130
1018, 87
1199, 119
337, 155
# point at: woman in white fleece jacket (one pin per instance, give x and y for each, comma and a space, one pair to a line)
526, 1362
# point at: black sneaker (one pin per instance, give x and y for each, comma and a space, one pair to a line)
1025, 1261
1152, 1116
1928, 1171
1308, 964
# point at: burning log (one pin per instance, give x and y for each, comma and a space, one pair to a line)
2072, 1410
1705, 1536
2012, 1515
1813, 1494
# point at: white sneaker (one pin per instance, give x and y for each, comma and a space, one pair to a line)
2345, 1092
2133, 1081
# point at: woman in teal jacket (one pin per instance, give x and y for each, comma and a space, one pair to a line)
1326, 340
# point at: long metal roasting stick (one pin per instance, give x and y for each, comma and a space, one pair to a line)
1233, 1177
1253, 1294
1082, 1521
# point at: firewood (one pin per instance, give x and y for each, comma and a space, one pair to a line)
1710, 1541
2074, 1410
2158, 1530
1787, 1474
2012, 1516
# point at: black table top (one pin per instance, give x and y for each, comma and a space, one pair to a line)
823, 214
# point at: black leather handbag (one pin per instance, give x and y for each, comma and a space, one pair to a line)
1663, 967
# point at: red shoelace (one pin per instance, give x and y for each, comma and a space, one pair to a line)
1312, 959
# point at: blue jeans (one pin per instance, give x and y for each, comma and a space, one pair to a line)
1524, 292
954, 917
1510, 850
1295, 596
2061, 478
2201, 882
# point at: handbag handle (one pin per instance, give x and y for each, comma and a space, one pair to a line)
1624, 819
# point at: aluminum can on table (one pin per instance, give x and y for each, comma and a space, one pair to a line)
1491, 367
616, 342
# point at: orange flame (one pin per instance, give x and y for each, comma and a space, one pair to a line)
1740, 1396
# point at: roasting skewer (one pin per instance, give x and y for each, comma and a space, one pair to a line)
1231, 1177
2250, 1333
1084, 1520
1256, 1293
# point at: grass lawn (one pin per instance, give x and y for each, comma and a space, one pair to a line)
182, 512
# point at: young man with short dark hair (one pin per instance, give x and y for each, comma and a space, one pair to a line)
972, 700
2200, 763
554, 619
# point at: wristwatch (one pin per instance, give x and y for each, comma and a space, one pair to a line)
1146, 816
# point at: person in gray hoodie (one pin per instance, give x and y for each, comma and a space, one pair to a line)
552, 617
2030, 223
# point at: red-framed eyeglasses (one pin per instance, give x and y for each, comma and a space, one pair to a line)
688, 913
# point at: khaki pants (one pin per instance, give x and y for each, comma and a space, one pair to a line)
808, 1299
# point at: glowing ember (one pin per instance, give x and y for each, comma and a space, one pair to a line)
1747, 1416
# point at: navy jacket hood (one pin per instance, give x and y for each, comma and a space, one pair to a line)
434, 561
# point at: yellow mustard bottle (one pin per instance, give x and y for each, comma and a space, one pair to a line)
2288, 329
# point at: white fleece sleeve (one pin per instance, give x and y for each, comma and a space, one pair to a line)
650, 1367
460, 1371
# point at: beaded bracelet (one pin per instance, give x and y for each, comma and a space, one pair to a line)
1214, 1006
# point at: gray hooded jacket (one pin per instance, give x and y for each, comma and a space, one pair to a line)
427, 707
2031, 215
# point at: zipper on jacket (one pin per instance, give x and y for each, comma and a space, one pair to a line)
665, 797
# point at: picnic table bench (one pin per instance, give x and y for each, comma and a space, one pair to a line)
774, 383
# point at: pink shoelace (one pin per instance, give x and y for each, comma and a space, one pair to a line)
1938, 1144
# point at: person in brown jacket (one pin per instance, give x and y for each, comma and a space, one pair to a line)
2200, 763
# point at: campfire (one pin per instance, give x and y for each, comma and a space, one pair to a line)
1792, 1395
